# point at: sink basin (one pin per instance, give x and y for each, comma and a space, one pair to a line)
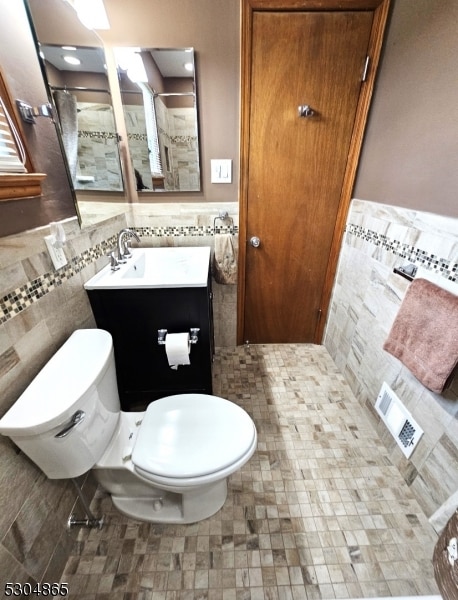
156, 268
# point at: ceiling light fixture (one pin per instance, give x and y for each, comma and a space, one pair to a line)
72, 60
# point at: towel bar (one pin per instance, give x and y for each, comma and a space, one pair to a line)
408, 271
223, 216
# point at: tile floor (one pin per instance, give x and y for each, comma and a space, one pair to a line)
318, 512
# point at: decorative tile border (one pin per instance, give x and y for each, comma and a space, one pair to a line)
442, 266
24, 296
186, 231
102, 135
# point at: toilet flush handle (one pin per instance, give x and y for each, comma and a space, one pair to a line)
76, 419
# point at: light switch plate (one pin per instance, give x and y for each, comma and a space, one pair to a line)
221, 170
57, 254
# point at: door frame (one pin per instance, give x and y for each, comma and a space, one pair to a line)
380, 9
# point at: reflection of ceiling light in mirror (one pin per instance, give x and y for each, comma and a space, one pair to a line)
72, 60
69, 48
136, 69
123, 56
91, 13
189, 66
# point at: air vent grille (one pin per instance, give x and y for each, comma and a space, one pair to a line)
385, 403
399, 421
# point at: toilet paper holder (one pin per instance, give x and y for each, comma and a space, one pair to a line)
193, 335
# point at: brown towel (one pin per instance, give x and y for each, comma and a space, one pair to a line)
424, 335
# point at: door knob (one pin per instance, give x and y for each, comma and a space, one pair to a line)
255, 241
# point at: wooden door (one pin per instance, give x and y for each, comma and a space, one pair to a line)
295, 166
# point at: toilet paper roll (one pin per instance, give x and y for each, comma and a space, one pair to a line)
177, 348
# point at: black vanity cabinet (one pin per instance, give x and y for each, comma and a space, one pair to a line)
133, 317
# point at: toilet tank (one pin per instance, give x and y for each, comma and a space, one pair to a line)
68, 414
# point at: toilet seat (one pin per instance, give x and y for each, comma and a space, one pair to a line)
192, 438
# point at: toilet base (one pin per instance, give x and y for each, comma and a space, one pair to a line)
169, 507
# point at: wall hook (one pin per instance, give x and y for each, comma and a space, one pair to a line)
304, 110
28, 112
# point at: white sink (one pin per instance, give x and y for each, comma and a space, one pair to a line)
156, 268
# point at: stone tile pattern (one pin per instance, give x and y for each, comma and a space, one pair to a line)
318, 512
183, 142
447, 268
40, 308
366, 298
98, 152
138, 140
178, 132
34, 542
22, 297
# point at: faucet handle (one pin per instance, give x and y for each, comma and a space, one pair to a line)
114, 263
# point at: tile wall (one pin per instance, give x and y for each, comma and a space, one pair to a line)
194, 224
366, 297
98, 155
39, 308
182, 139
134, 116
178, 132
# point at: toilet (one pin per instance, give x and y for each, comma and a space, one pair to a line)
168, 464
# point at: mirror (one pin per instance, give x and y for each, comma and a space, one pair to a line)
158, 91
54, 23
78, 86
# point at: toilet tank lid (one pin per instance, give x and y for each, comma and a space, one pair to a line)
52, 396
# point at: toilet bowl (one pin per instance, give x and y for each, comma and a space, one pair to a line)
168, 464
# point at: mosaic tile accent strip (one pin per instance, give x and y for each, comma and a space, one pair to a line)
442, 266
20, 298
187, 231
24, 296
102, 135
142, 137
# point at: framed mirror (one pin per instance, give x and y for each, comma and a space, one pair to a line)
158, 91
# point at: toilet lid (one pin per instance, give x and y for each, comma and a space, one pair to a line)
192, 435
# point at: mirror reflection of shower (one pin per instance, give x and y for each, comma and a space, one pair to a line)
158, 91
79, 87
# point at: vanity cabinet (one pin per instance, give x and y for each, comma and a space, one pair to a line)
133, 317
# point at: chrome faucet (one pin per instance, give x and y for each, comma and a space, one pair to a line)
122, 244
